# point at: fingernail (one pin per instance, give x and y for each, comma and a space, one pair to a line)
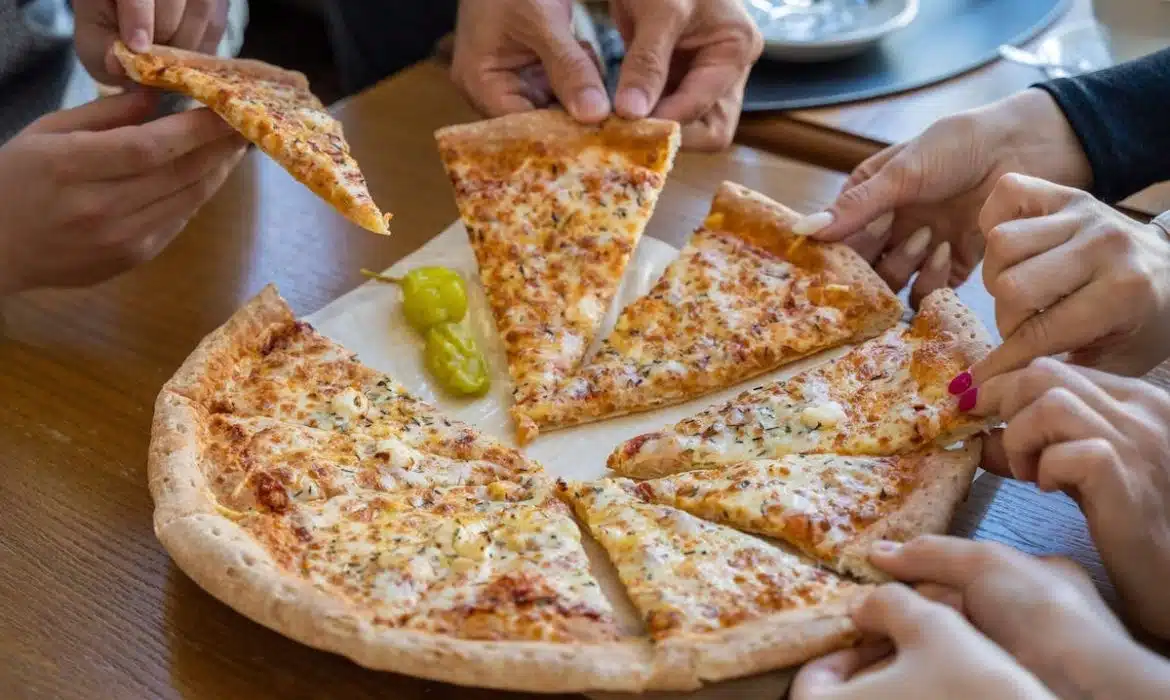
812, 223
139, 41
634, 102
960, 384
885, 547
591, 104
916, 244
880, 225
967, 400
940, 257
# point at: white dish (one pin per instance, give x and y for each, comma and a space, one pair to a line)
808, 31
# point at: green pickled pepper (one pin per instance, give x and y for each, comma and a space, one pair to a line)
430, 295
455, 361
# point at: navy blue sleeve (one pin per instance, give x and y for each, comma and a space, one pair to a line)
1122, 117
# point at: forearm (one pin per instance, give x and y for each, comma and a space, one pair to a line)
1121, 116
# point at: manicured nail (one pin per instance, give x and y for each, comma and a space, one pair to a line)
967, 400
960, 384
941, 256
885, 547
880, 225
139, 41
812, 223
634, 102
591, 104
916, 244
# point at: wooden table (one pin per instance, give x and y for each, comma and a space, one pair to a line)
90, 604
841, 137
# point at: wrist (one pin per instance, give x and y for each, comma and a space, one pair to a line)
1115, 666
1036, 139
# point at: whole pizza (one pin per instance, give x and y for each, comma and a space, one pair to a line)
320, 498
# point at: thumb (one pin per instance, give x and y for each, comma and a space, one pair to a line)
124, 109
647, 64
572, 73
136, 23
861, 204
897, 613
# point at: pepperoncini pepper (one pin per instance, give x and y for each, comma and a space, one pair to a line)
453, 358
430, 295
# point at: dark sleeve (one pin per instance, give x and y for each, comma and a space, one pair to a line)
373, 39
1122, 117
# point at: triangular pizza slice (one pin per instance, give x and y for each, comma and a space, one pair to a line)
886, 396
554, 209
717, 602
830, 507
744, 297
273, 108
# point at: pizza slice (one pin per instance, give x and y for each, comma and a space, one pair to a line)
553, 209
886, 396
718, 603
744, 297
257, 460
830, 507
274, 109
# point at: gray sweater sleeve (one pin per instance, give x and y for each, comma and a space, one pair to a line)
1122, 117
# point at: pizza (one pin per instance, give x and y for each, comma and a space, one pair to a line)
717, 602
886, 396
319, 498
829, 507
273, 108
553, 210
744, 297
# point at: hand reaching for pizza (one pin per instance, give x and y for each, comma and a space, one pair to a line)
934, 186
686, 61
937, 654
196, 25
1104, 440
89, 192
1072, 274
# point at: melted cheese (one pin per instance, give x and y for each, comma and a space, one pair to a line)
690, 576
816, 503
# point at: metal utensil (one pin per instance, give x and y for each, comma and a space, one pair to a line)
1052, 69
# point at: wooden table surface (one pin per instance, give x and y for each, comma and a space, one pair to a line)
840, 137
90, 604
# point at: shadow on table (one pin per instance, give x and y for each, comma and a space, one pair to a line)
218, 653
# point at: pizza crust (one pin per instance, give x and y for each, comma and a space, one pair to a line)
229, 564
776, 641
942, 486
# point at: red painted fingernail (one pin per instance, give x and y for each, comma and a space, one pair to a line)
960, 384
967, 400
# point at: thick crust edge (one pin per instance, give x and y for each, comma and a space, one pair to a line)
773, 642
219, 556
944, 481
942, 313
137, 65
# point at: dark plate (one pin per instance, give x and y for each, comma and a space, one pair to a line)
948, 37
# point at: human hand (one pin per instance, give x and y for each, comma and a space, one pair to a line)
517, 55
937, 655
196, 25
903, 203
1104, 440
1071, 274
686, 61
90, 192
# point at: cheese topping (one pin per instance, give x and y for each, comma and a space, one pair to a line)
690, 576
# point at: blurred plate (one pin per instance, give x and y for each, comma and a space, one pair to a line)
809, 31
